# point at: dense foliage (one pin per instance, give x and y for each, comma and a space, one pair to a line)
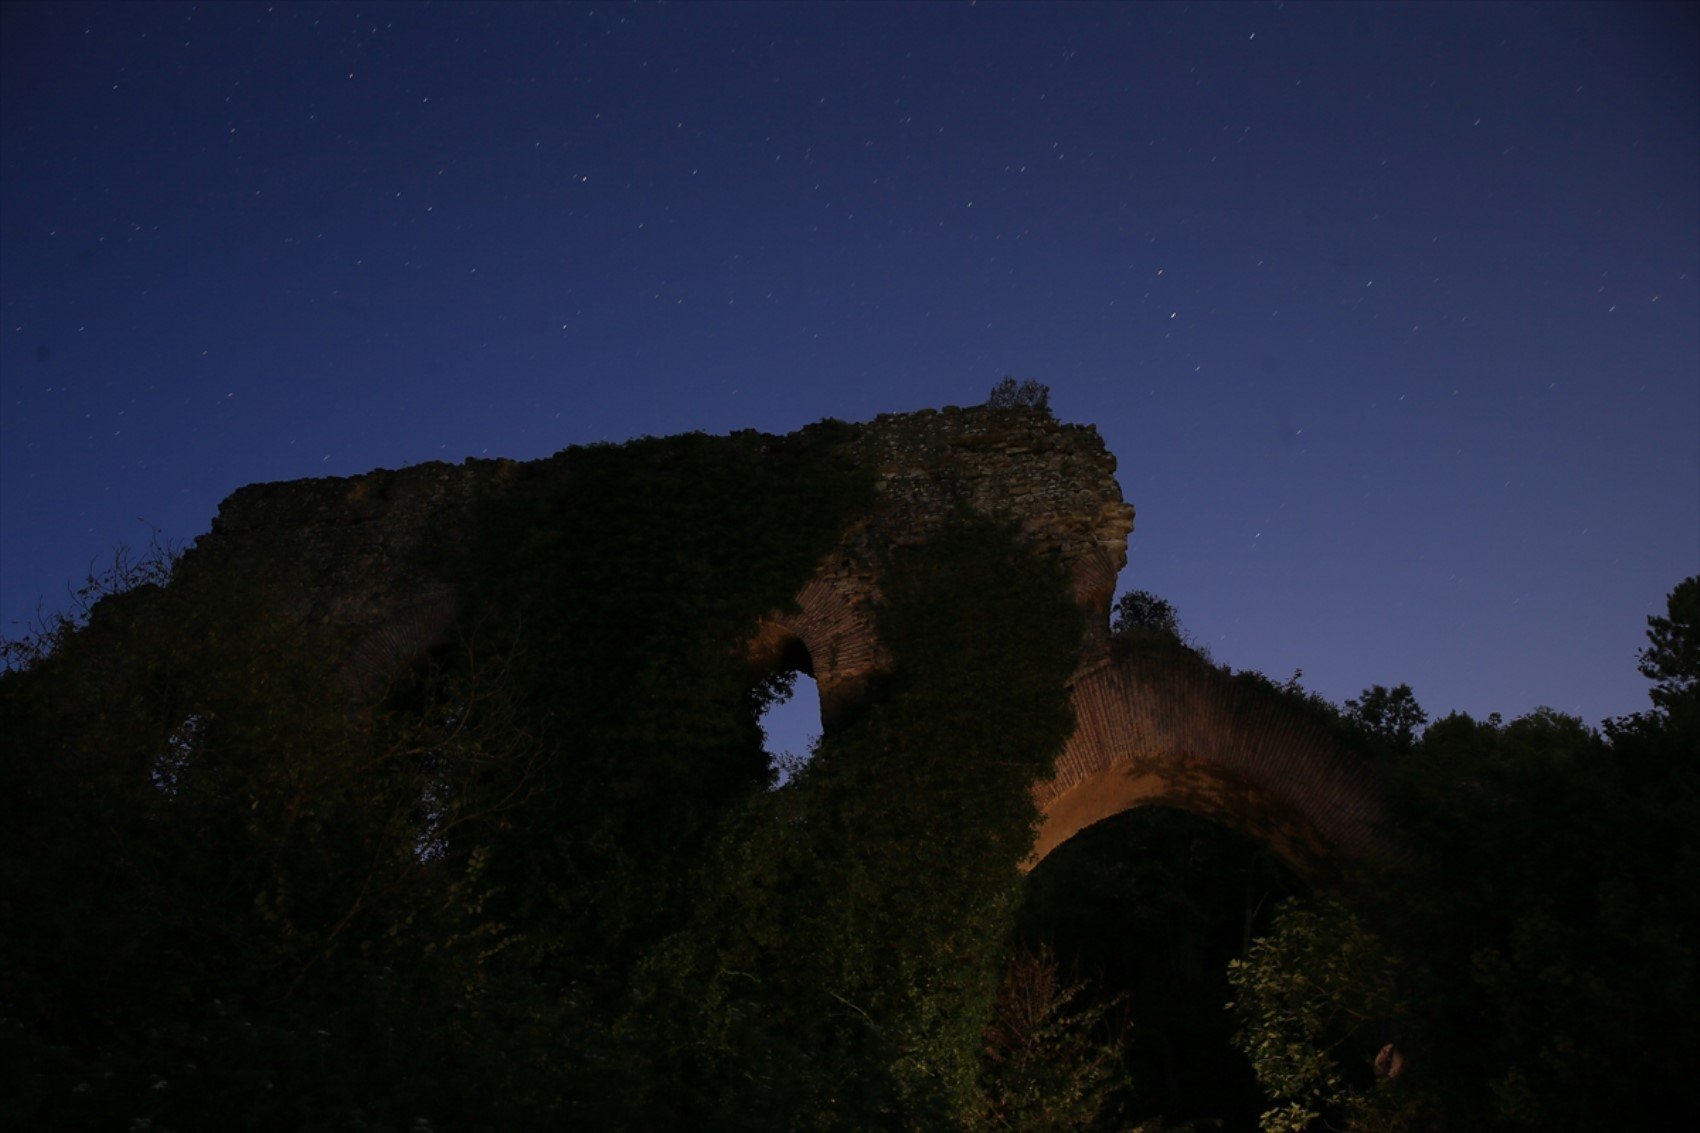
1523, 959
1141, 614
846, 946
625, 579
220, 903
1526, 959
548, 879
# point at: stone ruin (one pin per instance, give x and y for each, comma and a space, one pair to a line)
1152, 727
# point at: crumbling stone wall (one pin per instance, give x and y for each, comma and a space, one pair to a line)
1056, 481
361, 557
365, 558
366, 553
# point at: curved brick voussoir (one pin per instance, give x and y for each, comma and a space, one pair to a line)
1169, 729
834, 630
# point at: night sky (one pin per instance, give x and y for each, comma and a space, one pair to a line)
1390, 313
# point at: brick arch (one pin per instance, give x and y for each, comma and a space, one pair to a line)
1161, 727
833, 625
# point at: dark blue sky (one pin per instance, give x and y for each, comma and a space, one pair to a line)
1389, 312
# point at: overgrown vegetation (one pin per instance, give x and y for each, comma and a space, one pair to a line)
542, 883
1526, 960
1147, 909
1520, 961
845, 950
127, 572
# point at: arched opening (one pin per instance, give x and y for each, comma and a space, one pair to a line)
1192, 786
790, 725
789, 702
1149, 905
1169, 730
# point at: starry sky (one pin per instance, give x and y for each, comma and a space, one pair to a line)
1389, 312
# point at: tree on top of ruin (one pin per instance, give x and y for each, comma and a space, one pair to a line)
1009, 394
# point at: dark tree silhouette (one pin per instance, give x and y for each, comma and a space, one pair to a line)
1030, 394
1140, 613
1673, 657
1389, 714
